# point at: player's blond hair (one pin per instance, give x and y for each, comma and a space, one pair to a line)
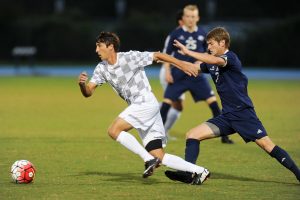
191, 7
218, 34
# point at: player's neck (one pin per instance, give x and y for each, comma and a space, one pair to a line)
112, 59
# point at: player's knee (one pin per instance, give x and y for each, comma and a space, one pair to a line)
266, 144
113, 132
199, 133
193, 134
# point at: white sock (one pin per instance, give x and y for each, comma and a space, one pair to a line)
172, 116
131, 143
178, 163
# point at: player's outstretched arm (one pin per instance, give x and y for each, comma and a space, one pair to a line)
86, 89
190, 69
203, 57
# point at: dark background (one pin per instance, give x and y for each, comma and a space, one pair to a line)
264, 32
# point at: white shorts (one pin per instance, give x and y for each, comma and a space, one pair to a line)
145, 117
164, 83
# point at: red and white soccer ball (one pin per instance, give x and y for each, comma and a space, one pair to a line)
22, 171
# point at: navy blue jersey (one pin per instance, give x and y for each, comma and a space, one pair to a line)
230, 82
194, 41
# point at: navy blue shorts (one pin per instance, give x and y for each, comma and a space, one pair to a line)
200, 89
244, 122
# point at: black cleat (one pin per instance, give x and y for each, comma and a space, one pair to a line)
150, 165
226, 140
198, 179
185, 177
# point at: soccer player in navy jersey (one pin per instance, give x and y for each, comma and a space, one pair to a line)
238, 114
193, 37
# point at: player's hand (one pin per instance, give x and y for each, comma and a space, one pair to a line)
191, 69
198, 62
82, 78
182, 49
169, 77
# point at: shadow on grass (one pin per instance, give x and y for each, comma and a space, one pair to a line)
122, 177
217, 175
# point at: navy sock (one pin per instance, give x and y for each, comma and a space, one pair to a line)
164, 111
192, 150
215, 108
283, 158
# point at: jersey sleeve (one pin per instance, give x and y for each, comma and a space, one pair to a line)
169, 47
225, 58
203, 67
97, 77
141, 59
166, 44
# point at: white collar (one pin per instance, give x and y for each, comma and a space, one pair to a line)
186, 29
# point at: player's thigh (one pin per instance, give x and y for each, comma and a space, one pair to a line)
175, 90
201, 132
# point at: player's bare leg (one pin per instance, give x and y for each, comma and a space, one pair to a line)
279, 154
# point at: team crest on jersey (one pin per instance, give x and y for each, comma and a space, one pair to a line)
201, 37
181, 37
191, 44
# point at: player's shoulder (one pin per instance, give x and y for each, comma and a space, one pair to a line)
127, 55
176, 31
231, 58
201, 29
230, 54
101, 64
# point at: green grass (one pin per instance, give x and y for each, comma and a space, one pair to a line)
47, 121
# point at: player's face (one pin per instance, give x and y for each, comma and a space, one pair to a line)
215, 48
102, 50
190, 18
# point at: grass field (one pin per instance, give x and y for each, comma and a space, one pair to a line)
47, 121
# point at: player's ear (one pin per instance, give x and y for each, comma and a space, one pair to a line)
222, 43
111, 46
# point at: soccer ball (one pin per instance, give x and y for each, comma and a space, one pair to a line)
22, 171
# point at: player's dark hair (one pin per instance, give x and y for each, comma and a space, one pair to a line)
218, 34
179, 15
109, 38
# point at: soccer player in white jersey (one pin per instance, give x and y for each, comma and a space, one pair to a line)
124, 71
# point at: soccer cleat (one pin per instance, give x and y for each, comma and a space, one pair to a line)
226, 140
185, 177
150, 165
198, 179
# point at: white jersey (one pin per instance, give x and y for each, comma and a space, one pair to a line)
127, 76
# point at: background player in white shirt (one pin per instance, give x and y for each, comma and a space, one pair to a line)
124, 71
